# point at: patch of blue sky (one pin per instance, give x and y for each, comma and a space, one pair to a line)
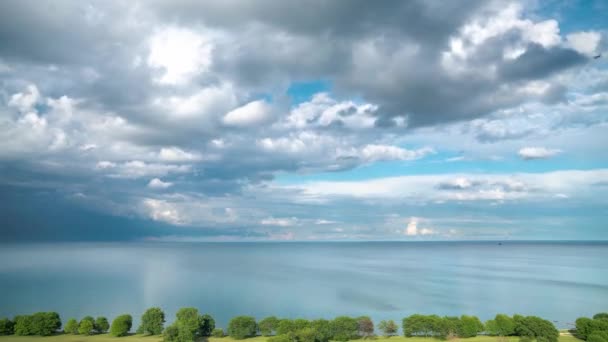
440, 164
303, 91
576, 15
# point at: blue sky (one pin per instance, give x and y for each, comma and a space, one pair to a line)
266, 120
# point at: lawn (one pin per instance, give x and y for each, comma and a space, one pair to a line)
139, 338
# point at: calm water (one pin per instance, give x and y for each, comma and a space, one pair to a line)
558, 281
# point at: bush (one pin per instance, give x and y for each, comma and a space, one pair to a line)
23, 325
45, 323
501, 325
280, 338
121, 325
217, 332
470, 326
206, 325
152, 322
388, 328
171, 333
6, 326
598, 336
85, 327
268, 325
241, 327
601, 315
101, 325
71, 326
344, 328
366, 326
322, 327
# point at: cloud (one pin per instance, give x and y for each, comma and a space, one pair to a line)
586, 42
280, 222
156, 183
413, 230
175, 154
253, 113
373, 153
530, 153
179, 53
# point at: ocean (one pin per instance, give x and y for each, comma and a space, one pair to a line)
559, 281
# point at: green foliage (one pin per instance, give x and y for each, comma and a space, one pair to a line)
206, 325
469, 326
601, 315
501, 325
344, 328
598, 336
388, 328
40, 323
366, 326
23, 325
217, 332
71, 326
268, 325
171, 333
427, 326
101, 325
152, 322
323, 330
535, 327
285, 326
587, 326
121, 325
241, 327
525, 339
6, 326
86, 327
281, 338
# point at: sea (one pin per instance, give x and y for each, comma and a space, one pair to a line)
558, 281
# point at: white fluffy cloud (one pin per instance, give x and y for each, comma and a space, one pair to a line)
179, 53
412, 228
252, 113
585, 42
156, 183
279, 221
529, 153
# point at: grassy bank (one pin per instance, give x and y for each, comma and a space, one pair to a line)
139, 338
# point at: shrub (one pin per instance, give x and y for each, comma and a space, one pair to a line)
6, 326
322, 327
71, 326
121, 325
388, 328
101, 325
45, 323
598, 336
85, 327
241, 327
23, 325
152, 322
268, 325
217, 332
206, 325
366, 326
171, 333
344, 328
280, 338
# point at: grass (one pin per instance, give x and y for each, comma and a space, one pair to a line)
140, 338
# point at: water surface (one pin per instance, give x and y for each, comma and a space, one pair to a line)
558, 281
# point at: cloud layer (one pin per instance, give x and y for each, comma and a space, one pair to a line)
272, 120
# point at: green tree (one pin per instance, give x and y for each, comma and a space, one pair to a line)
389, 328
152, 321
501, 325
71, 326
285, 326
344, 328
171, 333
322, 328
45, 323
470, 326
23, 325
535, 328
86, 327
268, 325
241, 327
366, 326
281, 338
121, 325
601, 315
217, 332
598, 336
306, 335
206, 325
6, 327
101, 325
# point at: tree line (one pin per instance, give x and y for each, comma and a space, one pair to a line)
190, 325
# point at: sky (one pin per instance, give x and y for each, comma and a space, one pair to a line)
227, 120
